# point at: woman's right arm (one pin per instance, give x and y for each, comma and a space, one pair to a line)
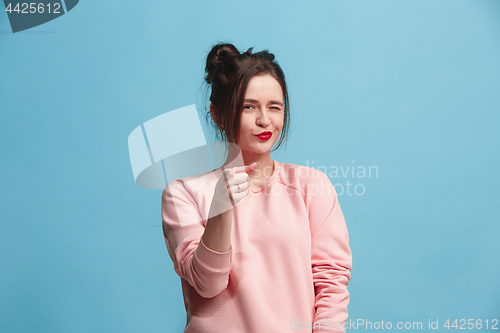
205, 269
202, 255
217, 235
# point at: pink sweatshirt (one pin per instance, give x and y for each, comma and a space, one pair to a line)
289, 262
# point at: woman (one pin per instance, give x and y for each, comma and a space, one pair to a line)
260, 246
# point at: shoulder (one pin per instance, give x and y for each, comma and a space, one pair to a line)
314, 186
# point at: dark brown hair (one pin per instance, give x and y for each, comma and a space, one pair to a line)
228, 72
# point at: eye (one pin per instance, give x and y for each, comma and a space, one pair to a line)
276, 108
247, 106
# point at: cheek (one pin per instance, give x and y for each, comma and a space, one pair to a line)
244, 133
279, 124
244, 121
279, 119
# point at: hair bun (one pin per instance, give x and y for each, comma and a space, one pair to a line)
219, 53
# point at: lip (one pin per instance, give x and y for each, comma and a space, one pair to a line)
264, 135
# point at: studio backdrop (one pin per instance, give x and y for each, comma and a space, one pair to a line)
396, 101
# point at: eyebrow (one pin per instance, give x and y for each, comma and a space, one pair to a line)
255, 101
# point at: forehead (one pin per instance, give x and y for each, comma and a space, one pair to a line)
263, 86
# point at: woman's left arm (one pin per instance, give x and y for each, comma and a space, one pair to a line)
331, 258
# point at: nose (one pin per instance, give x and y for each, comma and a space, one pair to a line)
263, 118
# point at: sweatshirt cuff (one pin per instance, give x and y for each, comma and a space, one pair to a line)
212, 260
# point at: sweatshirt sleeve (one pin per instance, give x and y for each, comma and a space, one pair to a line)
331, 258
206, 270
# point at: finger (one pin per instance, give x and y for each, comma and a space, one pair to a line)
251, 167
245, 167
241, 188
239, 196
228, 174
239, 178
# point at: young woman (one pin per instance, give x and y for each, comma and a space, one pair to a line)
259, 245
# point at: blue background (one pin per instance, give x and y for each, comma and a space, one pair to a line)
410, 87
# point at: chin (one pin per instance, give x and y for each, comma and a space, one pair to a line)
255, 150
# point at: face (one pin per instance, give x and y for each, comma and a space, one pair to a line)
262, 112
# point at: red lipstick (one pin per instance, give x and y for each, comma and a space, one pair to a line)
264, 135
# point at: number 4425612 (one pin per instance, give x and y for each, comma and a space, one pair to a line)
470, 324
34, 8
